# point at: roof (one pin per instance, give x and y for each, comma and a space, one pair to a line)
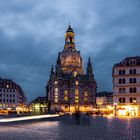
104, 93
12, 85
127, 61
40, 100
69, 29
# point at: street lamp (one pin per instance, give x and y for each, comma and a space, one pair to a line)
115, 107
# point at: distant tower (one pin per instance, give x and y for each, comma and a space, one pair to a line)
58, 67
51, 72
89, 69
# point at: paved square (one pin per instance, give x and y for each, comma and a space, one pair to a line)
65, 128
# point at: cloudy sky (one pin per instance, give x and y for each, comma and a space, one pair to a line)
32, 33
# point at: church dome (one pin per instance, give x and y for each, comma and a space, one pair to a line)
71, 61
70, 58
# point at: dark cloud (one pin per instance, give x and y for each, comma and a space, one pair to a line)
32, 33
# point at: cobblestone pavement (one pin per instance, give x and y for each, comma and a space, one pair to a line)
65, 128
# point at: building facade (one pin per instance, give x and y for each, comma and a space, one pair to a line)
104, 101
104, 98
12, 96
126, 86
70, 89
39, 105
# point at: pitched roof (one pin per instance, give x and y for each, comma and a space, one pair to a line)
127, 61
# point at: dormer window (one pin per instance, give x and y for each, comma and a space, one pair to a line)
132, 62
124, 63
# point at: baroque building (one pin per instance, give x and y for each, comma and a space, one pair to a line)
69, 89
126, 86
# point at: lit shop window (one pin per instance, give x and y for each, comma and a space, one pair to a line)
76, 83
75, 73
76, 96
55, 82
132, 99
65, 95
85, 96
56, 95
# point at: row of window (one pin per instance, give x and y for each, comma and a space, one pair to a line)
131, 90
6, 105
131, 62
66, 96
8, 86
131, 81
7, 95
7, 90
131, 100
131, 71
7, 100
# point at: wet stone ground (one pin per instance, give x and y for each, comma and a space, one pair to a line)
65, 128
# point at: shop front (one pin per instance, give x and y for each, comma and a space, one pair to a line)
127, 110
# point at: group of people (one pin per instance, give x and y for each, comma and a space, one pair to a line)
81, 118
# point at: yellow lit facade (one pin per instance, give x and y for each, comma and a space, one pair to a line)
76, 90
126, 87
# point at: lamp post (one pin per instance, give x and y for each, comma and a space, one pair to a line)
115, 107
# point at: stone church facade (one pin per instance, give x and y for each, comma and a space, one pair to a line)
69, 89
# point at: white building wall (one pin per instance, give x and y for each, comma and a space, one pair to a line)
127, 85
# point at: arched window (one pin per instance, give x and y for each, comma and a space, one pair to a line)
120, 99
130, 71
120, 90
123, 81
134, 80
134, 90
120, 81
123, 100
130, 80
123, 90
120, 72
130, 90
134, 71
123, 71
132, 62
132, 99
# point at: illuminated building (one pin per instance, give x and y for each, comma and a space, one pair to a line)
12, 96
126, 87
104, 98
39, 105
104, 101
69, 88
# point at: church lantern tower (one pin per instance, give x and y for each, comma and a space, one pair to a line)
69, 38
70, 58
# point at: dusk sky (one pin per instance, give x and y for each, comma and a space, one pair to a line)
32, 34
